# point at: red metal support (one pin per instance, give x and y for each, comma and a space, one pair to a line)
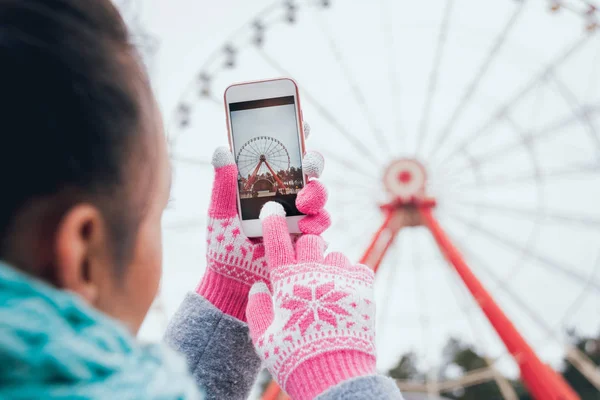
540, 379
276, 177
252, 178
381, 242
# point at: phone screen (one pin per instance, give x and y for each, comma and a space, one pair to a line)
267, 150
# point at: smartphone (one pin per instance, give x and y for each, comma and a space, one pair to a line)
266, 136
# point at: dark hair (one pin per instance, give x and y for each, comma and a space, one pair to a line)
69, 108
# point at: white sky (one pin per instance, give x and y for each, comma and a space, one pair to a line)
535, 236
278, 122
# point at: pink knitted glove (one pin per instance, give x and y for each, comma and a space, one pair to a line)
318, 329
235, 262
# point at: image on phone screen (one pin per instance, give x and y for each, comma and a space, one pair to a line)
266, 145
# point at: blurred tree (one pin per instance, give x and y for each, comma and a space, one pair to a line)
406, 369
462, 357
296, 176
521, 390
591, 347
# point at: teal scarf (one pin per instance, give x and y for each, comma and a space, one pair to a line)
52, 345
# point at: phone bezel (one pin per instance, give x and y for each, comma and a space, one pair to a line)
258, 90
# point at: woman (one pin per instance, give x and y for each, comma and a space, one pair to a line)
86, 178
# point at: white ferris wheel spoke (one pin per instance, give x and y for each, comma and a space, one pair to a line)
433, 75
357, 93
529, 139
387, 26
551, 264
353, 140
472, 88
541, 76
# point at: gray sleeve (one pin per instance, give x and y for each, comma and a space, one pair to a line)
374, 387
217, 347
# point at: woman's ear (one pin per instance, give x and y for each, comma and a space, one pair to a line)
81, 252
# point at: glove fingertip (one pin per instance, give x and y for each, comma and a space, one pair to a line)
306, 128
315, 224
313, 164
222, 157
270, 209
311, 200
223, 203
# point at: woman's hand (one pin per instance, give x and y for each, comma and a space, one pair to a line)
317, 329
234, 262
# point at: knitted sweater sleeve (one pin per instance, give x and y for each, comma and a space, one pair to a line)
217, 346
373, 387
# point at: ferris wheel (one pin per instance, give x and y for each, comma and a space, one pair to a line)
464, 166
263, 157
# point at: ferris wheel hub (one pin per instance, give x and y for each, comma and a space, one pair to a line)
404, 179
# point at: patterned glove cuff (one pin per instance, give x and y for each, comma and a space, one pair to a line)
324, 371
228, 295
